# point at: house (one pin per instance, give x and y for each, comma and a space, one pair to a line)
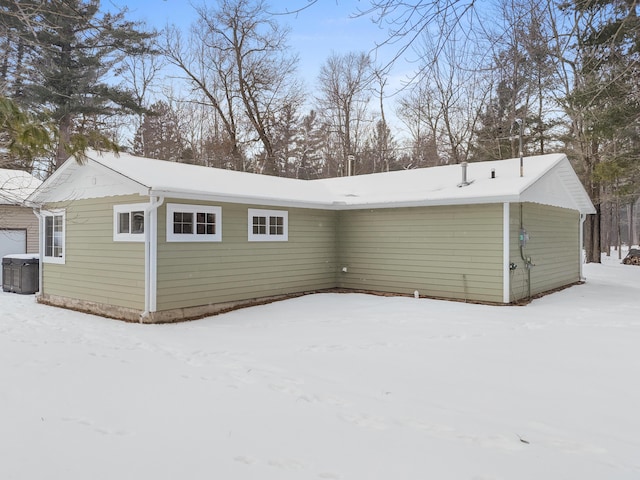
18, 223
154, 241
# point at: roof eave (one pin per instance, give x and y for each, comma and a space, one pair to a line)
242, 199
325, 205
437, 202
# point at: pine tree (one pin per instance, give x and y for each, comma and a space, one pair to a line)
604, 107
159, 135
21, 137
73, 66
308, 147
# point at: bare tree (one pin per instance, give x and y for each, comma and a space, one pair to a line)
451, 94
264, 67
139, 73
408, 22
382, 136
344, 83
522, 85
414, 110
209, 73
238, 57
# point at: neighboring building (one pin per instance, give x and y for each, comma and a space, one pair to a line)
18, 223
154, 241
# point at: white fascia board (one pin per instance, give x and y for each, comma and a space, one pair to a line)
241, 199
329, 204
425, 203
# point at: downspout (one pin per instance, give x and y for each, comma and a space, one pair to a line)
506, 254
150, 256
37, 213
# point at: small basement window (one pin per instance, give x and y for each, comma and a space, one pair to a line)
193, 223
54, 236
268, 225
128, 222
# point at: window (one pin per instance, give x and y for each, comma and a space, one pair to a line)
54, 233
128, 222
268, 225
193, 223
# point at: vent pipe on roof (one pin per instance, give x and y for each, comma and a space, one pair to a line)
464, 181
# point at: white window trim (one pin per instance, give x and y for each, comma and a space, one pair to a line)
195, 209
54, 213
128, 208
267, 237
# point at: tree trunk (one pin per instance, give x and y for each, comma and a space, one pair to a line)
592, 236
632, 236
618, 230
607, 228
64, 138
593, 239
4, 64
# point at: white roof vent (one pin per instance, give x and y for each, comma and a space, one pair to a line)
464, 181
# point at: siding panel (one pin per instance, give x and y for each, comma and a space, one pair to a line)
553, 246
201, 273
380, 253
448, 251
96, 268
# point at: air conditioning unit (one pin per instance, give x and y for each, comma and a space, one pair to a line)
20, 273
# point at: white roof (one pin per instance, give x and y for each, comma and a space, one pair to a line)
547, 179
16, 186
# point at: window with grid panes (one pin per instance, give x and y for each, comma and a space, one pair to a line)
194, 223
268, 225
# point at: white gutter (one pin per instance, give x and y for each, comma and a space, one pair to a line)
334, 203
506, 254
151, 256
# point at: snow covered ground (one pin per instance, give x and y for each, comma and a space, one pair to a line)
330, 386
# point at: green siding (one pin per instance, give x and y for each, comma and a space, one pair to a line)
447, 251
553, 246
201, 273
96, 268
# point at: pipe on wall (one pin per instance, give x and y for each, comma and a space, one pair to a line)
150, 255
583, 217
506, 254
37, 213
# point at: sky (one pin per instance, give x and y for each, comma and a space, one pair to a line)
316, 32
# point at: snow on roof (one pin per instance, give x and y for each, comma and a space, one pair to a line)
180, 179
16, 186
417, 187
441, 184
546, 179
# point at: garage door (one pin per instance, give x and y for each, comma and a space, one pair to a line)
12, 241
